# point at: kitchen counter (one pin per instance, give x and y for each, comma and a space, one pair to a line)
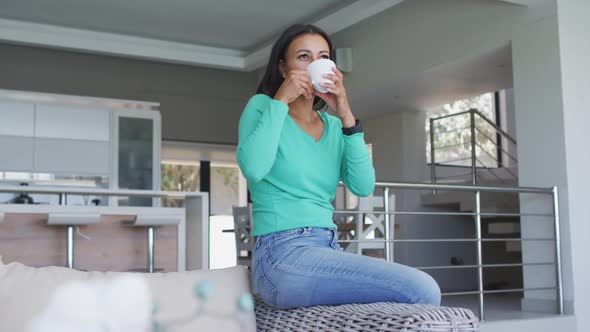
105, 234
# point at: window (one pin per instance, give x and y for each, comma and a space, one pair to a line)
452, 135
181, 171
225, 188
179, 176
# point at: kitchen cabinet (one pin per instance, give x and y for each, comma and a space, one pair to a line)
72, 140
137, 148
16, 135
80, 157
16, 153
72, 122
17, 118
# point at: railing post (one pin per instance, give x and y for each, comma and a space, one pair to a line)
387, 235
473, 146
479, 253
432, 159
557, 251
70, 235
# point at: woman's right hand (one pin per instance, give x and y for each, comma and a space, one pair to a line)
296, 83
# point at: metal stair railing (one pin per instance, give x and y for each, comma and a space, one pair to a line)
389, 240
474, 146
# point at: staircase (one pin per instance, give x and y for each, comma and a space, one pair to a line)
463, 201
499, 171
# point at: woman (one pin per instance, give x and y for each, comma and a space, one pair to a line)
293, 157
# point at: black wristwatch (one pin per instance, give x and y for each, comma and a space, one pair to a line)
353, 130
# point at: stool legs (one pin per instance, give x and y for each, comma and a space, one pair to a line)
70, 234
70, 250
151, 249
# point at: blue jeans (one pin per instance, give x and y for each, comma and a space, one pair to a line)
306, 266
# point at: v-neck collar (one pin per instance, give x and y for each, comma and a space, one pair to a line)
324, 133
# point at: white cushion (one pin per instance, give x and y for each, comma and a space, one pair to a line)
25, 291
122, 304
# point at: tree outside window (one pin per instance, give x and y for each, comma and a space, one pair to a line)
179, 177
452, 135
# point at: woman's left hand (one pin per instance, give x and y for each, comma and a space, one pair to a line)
336, 97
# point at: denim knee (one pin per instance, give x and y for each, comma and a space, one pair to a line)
429, 291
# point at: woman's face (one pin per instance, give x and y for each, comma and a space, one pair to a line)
302, 51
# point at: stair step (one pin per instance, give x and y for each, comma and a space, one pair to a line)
465, 201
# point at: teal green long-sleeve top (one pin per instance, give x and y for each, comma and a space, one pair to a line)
292, 178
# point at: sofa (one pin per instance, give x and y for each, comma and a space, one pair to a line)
48, 299
202, 300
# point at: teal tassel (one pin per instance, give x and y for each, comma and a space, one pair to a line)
157, 327
246, 302
155, 308
204, 290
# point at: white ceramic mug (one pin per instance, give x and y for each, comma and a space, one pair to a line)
316, 71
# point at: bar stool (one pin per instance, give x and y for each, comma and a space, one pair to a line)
151, 222
70, 220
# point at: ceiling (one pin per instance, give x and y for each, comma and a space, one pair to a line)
238, 25
235, 35
486, 72
229, 34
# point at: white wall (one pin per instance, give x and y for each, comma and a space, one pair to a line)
197, 104
508, 124
574, 29
539, 119
385, 134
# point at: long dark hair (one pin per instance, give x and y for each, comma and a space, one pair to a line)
272, 79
